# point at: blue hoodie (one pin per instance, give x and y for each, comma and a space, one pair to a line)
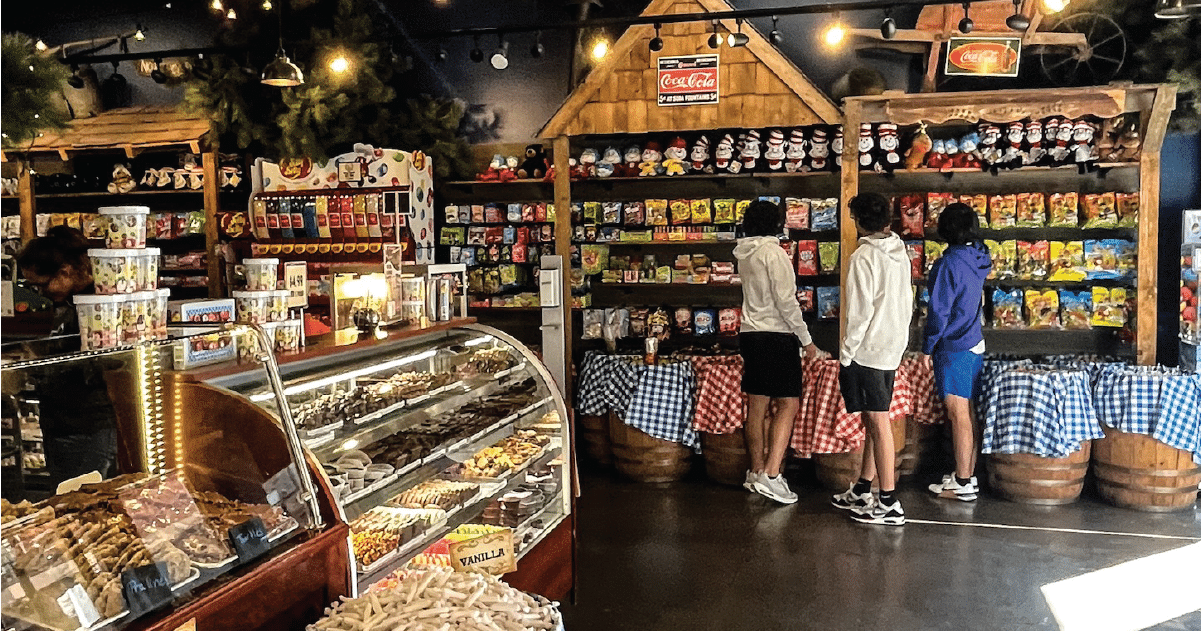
956, 299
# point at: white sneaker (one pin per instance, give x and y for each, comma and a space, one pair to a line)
877, 513
949, 488
751, 479
849, 500
775, 488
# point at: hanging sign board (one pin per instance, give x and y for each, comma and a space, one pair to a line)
983, 56
688, 80
490, 553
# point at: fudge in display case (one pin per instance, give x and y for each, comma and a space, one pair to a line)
155, 505
424, 431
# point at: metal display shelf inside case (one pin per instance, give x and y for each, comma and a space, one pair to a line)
391, 419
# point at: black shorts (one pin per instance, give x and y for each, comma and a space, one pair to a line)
771, 364
866, 389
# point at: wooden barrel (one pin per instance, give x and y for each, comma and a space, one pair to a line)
1136, 471
926, 449
839, 471
1031, 479
594, 432
644, 458
726, 458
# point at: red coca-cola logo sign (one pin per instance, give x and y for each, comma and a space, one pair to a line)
692, 80
984, 57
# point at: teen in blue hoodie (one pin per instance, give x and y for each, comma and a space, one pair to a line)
954, 343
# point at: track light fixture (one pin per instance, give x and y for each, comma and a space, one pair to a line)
537, 50
75, 80
715, 39
1176, 9
157, 74
656, 43
217, 6
738, 38
232, 15
139, 35
888, 28
1017, 21
966, 24
500, 57
477, 55
774, 36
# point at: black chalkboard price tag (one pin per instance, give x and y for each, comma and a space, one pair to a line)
146, 588
249, 539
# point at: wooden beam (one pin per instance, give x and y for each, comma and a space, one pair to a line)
212, 203
563, 230
26, 200
1147, 319
848, 237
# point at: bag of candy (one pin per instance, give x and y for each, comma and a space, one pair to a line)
1127, 210
1033, 260
529, 213
658, 324
806, 298
1075, 309
911, 221
1101, 259
933, 251
638, 322
723, 210
1031, 210
1127, 258
451, 213
594, 324
825, 214
704, 322
635, 213
1042, 309
513, 215
827, 254
914, 250
595, 258
796, 213
1007, 309
1063, 211
1067, 261
935, 203
702, 211
683, 321
1100, 211
806, 258
612, 213
729, 320
656, 212
979, 203
1109, 306
740, 209
477, 213
1003, 209
827, 303
1004, 259
493, 214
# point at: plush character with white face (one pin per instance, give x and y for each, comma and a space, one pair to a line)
987, 150
937, 158
836, 146
724, 154
652, 159
607, 165
633, 156
588, 162
751, 151
794, 156
868, 160
890, 159
1061, 152
775, 153
699, 156
1034, 143
673, 157
1083, 150
1012, 155
819, 150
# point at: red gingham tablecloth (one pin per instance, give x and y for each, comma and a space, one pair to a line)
928, 407
823, 425
720, 402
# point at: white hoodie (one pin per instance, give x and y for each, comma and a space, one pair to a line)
769, 301
879, 303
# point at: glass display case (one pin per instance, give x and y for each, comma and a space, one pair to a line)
423, 436
127, 498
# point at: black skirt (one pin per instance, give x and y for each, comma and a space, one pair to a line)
771, 364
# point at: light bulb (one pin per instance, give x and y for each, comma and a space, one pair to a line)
1054, 6
266, 5
40, 45
835, 34
339, 64
217, 6
600, 49
233, 15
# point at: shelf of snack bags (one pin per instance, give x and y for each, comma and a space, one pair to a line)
502, 245
1069, 170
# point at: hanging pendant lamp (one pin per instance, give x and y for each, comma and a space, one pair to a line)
281, 72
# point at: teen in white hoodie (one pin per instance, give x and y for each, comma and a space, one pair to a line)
770, 342
878, 303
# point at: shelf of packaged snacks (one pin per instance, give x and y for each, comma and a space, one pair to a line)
442, 457
368, 429
182, 269
461, 515
742, 185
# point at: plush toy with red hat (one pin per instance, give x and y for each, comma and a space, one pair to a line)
1034, 143
868, 159
492, 173
1011, 157
751, 151
819, 150
794, 156
1060, 152
836, 146
987, 150
631, 158
889, 141
775, 153
1083, 150
699, 156
673, 157
652, 160
724, 154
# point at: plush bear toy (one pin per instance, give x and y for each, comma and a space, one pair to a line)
673, 157
775, 153
534, 165
889, 143
699, 156
751, 151
724, 154
819, 150
794, 157
652, 159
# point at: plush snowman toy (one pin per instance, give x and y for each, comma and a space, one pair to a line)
795, 155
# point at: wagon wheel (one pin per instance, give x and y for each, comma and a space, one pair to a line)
1097, 63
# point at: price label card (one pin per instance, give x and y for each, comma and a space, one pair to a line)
146, 588
490, 553
249, 539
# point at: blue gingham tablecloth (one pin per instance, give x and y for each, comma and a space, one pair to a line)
1162, 403
1039, 411
658, 400
988, 376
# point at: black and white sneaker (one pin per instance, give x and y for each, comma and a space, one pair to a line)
951, 488
850, 500
888, 515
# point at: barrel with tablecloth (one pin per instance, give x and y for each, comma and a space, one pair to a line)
719, 417
1150, 456
650, 413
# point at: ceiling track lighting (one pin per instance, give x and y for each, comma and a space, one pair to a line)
40, 45
537, 50
267, 6
1017, 21
656, 43
888, 28
715, 39
281, 72
231, 15
477, 54
157, 74
774, 36
966, 24
500, 57
738, 38
217, 6
139, 35
1051, 7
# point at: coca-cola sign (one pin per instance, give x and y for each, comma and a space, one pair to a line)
689, 80
983, 56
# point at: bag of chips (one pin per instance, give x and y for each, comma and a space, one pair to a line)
1127, 258
979, 203
1003, 209
704, 322
824, 214
935, 204
911, 221
1100, 211
796, 213
914, 249
683, 321
1101, 259
1007, 309
729, 321
1063, 211
658, 324
514, 213
1127, 210
827, 303
740, 209
1067, 261
805, 296
656, 212
1075, 309
595, 258
702, 212
723, 210
1109, 306
612, 213
594, 324
933, 251
638, 322
827, 254
1033, 260
550, 212
1042, 309
1031, 210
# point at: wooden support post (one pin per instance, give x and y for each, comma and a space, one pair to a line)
1147, 319
562, 151
26, 200
853, 116
212, 203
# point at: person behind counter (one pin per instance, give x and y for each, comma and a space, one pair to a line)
75, 411
58, 266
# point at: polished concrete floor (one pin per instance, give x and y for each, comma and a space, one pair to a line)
693, 555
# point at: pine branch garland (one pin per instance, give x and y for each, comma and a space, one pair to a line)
32, 91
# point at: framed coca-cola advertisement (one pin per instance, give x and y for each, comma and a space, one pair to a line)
983, 56
688, 80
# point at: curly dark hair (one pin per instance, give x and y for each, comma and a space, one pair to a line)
872, 211
958, 224
762, 219
62, 245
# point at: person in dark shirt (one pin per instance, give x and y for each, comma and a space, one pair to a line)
58, 266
